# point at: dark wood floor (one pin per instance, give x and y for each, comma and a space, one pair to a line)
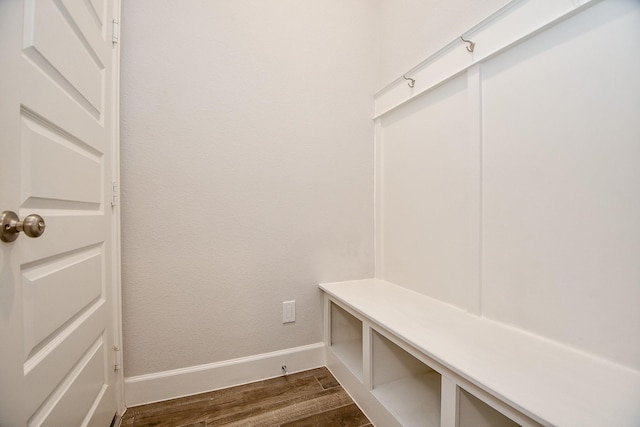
305, 399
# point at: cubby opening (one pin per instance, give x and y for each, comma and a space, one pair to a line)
408, 388
472, 412
346, 339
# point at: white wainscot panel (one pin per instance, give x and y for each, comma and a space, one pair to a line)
430, 192
561, 183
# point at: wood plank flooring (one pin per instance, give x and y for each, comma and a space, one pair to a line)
305, 399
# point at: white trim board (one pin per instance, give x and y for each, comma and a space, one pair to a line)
516, 22
182, 382
116, 230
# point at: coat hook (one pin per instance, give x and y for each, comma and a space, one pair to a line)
471, 46
411, 83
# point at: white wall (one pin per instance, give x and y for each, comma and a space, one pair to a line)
247, 172
525, 171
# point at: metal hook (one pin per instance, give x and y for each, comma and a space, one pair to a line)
471, 46
411, 83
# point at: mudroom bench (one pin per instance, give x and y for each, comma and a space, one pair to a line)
410, 360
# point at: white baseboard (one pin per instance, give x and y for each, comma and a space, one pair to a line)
199, 379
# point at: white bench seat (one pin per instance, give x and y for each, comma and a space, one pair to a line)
547, 381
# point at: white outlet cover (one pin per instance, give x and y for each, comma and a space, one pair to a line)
288, 311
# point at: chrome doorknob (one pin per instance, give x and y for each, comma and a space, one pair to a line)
10, 225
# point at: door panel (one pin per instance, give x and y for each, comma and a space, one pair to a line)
77, 393
44, 149
47, 369
98, 7
69, 118
56, 292
53, 41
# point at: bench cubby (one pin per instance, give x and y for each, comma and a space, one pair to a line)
346, 339
408, 388
472, 412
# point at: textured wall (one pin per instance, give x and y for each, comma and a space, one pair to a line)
247, 172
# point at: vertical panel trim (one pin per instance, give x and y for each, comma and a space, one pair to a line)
474, 90
378, 199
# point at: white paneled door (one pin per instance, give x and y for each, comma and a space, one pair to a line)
57, 139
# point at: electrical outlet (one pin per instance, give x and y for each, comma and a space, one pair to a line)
288, 311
